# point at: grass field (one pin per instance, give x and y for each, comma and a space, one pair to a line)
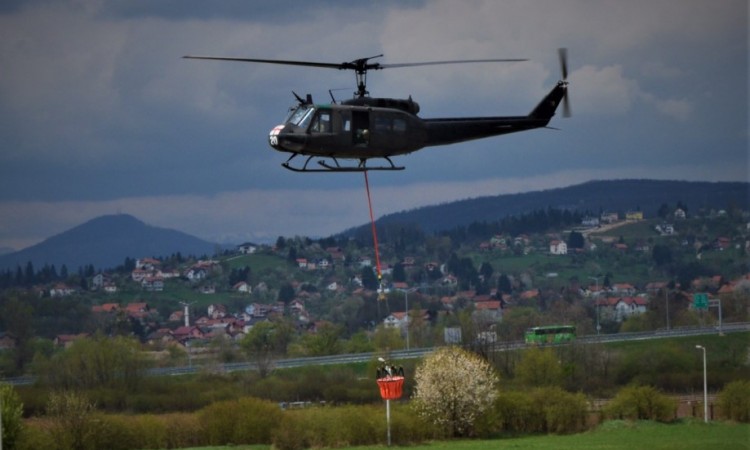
614, 435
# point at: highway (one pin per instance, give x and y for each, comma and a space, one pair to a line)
420, 352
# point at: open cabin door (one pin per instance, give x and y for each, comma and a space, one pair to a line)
361, 128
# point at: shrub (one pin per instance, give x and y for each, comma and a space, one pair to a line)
244, 421
542, 410
183, 430
666, 366
72, 417
36, 434
539, 367
327, 427
116, 432
734, 400
348, 426
11, 410
562, 412
406, 427
510, 413
641, 403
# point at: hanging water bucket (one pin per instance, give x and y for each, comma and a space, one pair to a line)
391, 387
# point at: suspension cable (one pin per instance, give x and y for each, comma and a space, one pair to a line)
374, 235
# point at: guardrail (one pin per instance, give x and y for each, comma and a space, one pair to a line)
421, 352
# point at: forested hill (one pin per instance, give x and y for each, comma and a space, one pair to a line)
591, 197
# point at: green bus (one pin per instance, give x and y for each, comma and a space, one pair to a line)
552, 334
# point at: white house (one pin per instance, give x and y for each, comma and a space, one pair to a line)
590, 222
396, 320
609, 217
152, 284
619, 309
628, 306
488, 311
623, 289
61, 290
247, 248
217, 311
558, 247
243, 288
196, 273
147, 263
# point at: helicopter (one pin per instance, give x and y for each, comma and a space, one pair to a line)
364, 128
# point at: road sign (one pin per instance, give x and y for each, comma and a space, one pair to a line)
700, 301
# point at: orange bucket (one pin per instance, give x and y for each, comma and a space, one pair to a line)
391, 387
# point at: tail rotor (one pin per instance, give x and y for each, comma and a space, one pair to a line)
563, 53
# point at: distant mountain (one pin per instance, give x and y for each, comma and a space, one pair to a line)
105, 242
593, 197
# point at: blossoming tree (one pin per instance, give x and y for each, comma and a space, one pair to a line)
453, 388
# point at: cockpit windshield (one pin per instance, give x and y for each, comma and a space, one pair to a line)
301, 116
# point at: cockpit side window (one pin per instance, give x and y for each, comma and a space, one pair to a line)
321, 122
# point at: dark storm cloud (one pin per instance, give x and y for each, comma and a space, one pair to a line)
99, 113
268, 11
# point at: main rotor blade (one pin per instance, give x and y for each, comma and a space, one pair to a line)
357, 64
458, 61
271, 61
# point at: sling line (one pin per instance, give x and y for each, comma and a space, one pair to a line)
374, 239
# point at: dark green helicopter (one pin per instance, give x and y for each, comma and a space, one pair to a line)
365, 127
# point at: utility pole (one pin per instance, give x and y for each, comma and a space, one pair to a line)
406, 305
596, 304
705, 385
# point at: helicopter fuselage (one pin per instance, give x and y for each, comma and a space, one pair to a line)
361, 130
349, 132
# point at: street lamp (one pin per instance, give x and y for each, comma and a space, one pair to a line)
596, 303
705, 385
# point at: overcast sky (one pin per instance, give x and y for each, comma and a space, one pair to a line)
99, 114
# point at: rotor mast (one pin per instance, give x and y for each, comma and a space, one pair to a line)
360, 68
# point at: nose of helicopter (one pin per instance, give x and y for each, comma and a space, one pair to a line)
284, 139
273, 137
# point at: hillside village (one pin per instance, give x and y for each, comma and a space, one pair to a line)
503, 284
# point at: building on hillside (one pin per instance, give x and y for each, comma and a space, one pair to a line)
149, 264
609, 217
558, 247
61, 290
590, 222
634, 215
243, 288
248, 248
153, 284
619, 309
8, 341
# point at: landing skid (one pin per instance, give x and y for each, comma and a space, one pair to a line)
327, 166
